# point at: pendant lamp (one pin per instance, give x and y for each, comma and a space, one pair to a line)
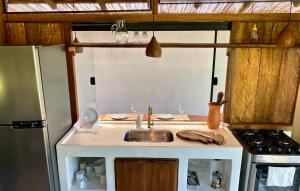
296, 4
153, 48
254, 30
286, 37
77, 49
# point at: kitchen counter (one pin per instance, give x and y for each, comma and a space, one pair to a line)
107, 142
191, 118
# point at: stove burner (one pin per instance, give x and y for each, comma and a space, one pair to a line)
283, 143
269, 142
249, 133
273, 133
298, 150
255, 141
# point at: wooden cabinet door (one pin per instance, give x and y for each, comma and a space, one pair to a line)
130, 174
262, 83
162, 174
146, 174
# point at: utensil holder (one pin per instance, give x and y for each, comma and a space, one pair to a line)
214, 116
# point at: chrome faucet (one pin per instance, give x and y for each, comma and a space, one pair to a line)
150, 112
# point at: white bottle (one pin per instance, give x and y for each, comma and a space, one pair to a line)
138, 121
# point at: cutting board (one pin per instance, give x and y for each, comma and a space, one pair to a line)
190, 135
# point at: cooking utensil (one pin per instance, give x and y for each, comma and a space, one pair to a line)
211, 138
205, 137
220, 100
220, 97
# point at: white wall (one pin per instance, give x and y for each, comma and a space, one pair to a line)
125, 76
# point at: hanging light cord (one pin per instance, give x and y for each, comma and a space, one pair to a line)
291, 6
73, 6
152, 17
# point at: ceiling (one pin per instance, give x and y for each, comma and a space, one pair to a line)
164, 6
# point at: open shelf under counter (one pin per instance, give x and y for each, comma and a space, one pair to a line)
204, 169
92, 184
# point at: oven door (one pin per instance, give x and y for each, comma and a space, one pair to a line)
259, 176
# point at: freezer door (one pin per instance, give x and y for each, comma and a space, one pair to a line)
21, 96
23, 159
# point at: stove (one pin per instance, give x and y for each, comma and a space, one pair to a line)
267, 142
263, 149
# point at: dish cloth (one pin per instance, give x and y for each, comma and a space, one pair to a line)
281, 176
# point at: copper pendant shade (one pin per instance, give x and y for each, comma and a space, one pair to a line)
153, 48
286, 37
296, 4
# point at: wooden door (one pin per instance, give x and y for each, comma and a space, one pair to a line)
134, 174
130, 174
262, 83
162, 174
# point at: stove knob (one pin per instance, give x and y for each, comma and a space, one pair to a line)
269, 149
259, 150
298, 150
279, 150
289, 150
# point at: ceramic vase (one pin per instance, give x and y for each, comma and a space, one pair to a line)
214, 116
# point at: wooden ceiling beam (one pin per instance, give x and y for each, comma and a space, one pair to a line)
82, 1
51, 3
225, 17
79, 17
175, 45
102, 4
146, 17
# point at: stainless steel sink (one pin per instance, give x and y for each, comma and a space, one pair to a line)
149, 136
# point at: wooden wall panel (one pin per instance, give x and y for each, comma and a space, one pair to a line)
44, 33
262, 83
16, 34
241, 96
2, 31
2, 24
288, 86
267, 84
35, 33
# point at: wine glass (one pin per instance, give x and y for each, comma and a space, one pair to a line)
136, 37
133, 108
181, 109
145, 37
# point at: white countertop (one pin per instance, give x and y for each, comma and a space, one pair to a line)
112, 135
108, 143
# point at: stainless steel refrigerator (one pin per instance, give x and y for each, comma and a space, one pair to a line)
34, 115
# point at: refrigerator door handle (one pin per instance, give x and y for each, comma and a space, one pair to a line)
39, 124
